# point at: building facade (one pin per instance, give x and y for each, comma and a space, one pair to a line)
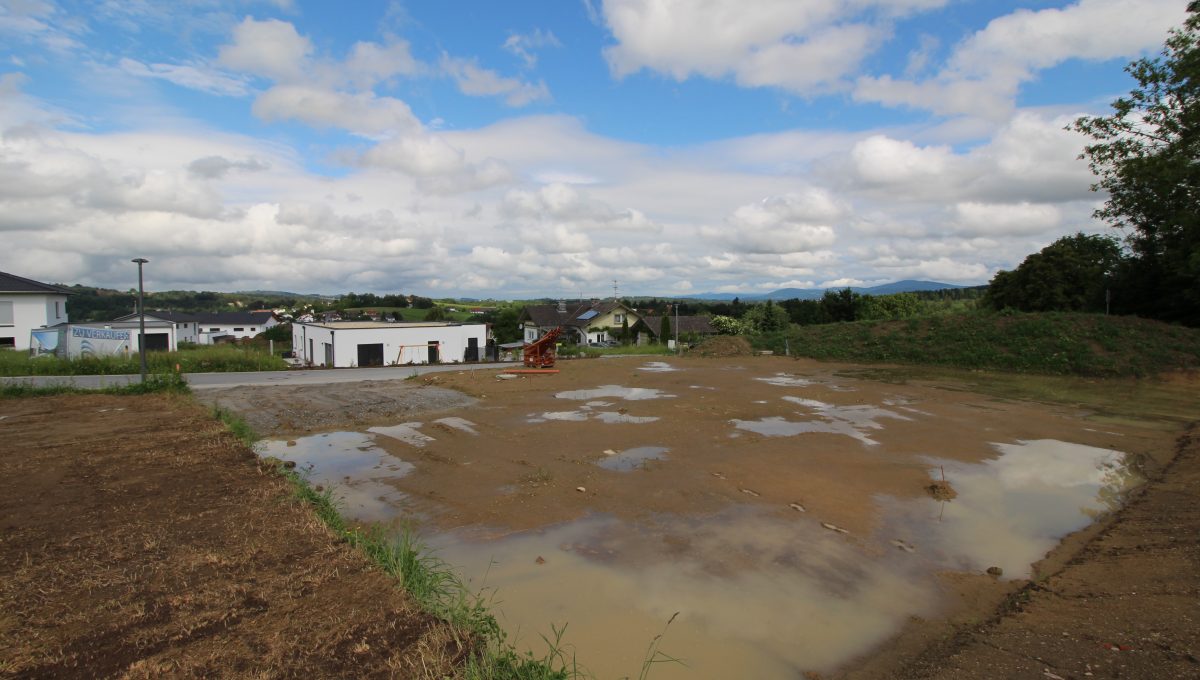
27, 305
348, 344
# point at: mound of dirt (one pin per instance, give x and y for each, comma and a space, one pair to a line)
724, 346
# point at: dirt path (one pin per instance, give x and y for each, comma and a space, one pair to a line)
1126, 606
137, 539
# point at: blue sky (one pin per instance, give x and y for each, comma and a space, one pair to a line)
548, 148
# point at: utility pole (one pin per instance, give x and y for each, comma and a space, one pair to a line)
141, 315
677, 350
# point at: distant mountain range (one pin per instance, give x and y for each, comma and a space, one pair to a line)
818, 293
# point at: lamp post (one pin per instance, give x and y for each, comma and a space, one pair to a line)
141, 315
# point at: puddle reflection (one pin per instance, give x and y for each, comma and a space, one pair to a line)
633, 459
351, 464
616, 392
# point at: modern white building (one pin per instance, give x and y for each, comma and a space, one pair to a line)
346, 344
206, 328
27, 305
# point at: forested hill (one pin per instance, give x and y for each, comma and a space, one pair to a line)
88, 303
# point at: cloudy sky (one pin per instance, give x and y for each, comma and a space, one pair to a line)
550, 147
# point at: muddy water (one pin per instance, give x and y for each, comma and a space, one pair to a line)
781, 514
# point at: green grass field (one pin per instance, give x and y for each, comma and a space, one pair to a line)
216, 359
1049, 343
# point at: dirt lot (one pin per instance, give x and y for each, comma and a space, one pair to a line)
137, 539
145, 541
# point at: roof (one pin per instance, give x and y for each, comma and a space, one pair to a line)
578, 313
360, 325
219, 318
11, 283
684, 324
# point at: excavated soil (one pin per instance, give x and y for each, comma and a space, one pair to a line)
139, 539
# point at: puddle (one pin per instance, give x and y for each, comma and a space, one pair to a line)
582, 415
757, 596
1023, 502
658, 367
701, 387
352, 465
786, 380
460, 424
633, 459
851, 421
616, 392
405, 432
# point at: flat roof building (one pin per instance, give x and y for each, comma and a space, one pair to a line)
346, 344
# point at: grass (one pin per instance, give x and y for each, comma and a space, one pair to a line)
216, 358
166, 382
1050, 343
623, 350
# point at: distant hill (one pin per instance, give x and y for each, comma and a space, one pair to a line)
284, 294
907, 286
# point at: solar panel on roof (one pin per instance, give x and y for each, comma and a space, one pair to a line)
589, 314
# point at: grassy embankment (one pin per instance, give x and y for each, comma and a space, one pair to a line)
217, 358
1050, 343
155, 382
436, 586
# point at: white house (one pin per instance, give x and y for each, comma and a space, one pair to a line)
26, 305
205, 328
588, 322
345, 344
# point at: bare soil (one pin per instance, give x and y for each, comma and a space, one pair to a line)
1125, 605
139, 539
145, 541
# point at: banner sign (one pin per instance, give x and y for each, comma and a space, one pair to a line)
84, 341
44, 342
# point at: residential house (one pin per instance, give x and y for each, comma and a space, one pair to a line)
27, 305
206, 328
587, 322
649, 327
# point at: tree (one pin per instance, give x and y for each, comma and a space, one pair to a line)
1072, 274
1145, 156
727, 325
767, 318
664, 328
625, 329
840, 305
435, 314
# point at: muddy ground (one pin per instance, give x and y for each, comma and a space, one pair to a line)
523, 468
145, 541
139, 539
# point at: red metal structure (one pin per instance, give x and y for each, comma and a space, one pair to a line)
540, 353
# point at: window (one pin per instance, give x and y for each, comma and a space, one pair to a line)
214, 330
57, 309
9, 343
6, 313
618, 318
239, 330
252, 329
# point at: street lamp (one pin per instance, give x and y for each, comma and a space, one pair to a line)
141, 315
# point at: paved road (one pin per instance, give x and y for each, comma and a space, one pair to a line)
200, 381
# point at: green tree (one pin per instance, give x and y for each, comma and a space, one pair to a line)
1072, 274
767, 318
664, 328
435, 313
1145, 156
727, 325
841, 305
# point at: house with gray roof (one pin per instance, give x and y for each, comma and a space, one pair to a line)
206, 328
649, 328
25, 306
588, 322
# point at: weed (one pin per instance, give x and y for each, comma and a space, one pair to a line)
236, 424
168, 382
223, 358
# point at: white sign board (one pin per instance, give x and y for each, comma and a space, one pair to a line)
84, 341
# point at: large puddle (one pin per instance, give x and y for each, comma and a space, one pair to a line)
764, 583
351, 464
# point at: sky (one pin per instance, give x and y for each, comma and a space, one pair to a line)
555, 148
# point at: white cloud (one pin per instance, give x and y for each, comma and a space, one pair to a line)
271, 48
565, 204
984, 73
798, 221
526, 45
362, 113
800, 46
476, 81
435, 163
369, 63
194, 76
1006, 218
